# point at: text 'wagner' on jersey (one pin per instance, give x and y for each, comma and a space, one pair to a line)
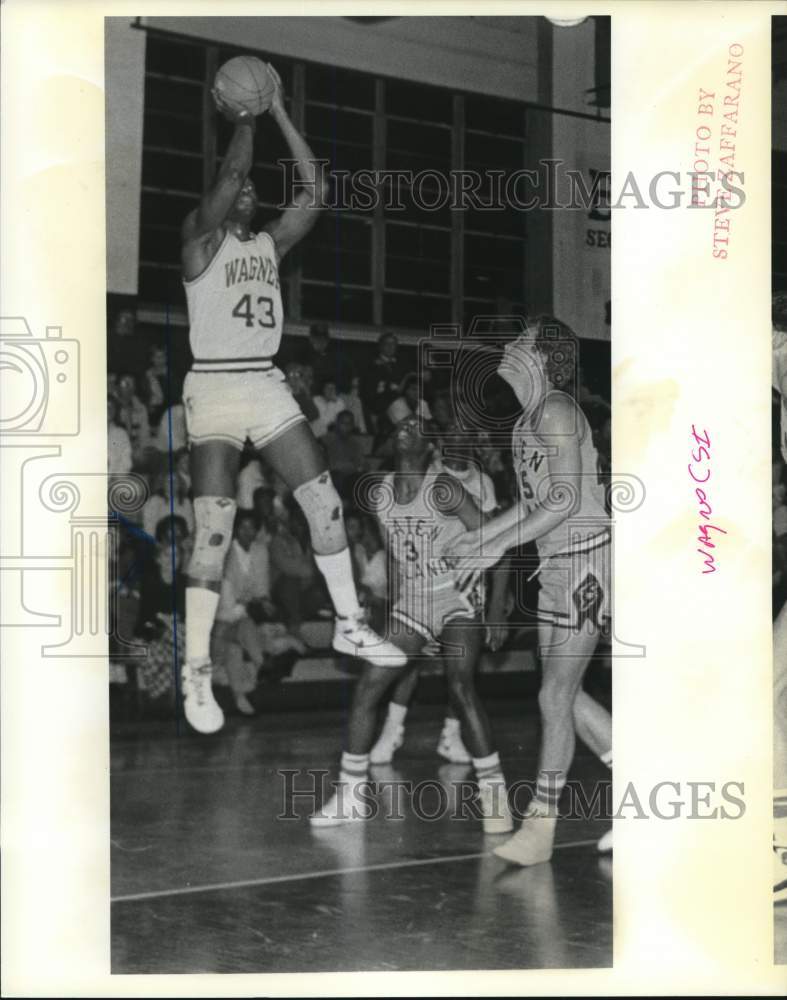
235, 308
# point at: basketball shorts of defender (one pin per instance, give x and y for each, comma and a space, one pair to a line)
428, 610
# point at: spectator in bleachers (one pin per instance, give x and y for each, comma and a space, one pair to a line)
308, 379
320, 355
410, 401
329, 406
126, 350
351, 400
176, 528
265, 515
162, 595
119, 454
237, 648
155, 381
296, 380
133, 415
344, 451
297, 585
443, 411
168, 497
250, 478
382, 383
171, 431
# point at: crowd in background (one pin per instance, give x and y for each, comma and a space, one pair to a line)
271, 584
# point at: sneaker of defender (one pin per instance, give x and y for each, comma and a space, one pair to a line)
201, 709
604, 846
353, 637
389, 741
779, 873
495, 811
532, 843
344, 806
451, 747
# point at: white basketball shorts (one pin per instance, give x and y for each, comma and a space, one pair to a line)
236, 406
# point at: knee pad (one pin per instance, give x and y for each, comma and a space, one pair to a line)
214, 518
322, 508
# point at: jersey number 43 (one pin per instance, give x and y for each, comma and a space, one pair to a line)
243, 311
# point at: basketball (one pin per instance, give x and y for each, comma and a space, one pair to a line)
245, 82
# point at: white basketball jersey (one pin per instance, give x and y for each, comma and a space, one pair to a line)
235, 308
419, 534
531, 466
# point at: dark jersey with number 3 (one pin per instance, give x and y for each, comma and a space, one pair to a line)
235, 309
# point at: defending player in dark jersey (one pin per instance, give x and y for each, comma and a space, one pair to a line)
421, 513
562, 509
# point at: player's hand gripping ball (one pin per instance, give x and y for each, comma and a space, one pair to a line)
245, 86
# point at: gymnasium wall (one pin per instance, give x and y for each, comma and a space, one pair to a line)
492, 55
580, 237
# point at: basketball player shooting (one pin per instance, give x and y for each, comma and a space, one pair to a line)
235, 393
562, 509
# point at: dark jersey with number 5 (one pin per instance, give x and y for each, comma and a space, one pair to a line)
235, 309
531, 456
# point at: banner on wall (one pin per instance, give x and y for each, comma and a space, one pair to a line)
582, 252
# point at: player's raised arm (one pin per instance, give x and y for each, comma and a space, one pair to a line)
516, 526
296, 220
451, 498
216, 204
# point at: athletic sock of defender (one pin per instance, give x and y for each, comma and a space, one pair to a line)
354, 768
487, 769
397, 713
451, 727
549, 787
201, 605
338, 573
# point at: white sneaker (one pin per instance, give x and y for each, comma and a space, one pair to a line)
604, 846
388, 742
200, 707
495, 811
532, 843
353, 637
344, 806
451, 747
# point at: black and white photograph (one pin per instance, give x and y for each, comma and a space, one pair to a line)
358, 389
417, 500
779, 457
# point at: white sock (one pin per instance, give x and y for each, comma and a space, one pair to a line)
397, 713
488, 769
201, 605
338, 572
450, 726
354, 768
606, 758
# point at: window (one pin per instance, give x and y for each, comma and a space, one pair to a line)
389, 264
